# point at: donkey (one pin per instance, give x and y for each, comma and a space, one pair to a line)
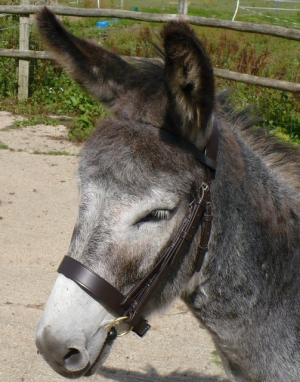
138, 177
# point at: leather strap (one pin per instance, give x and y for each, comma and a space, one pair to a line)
203, 158
205, 233
99, 289
209, 157
211, 150
139, 296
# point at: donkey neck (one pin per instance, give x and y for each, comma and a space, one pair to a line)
255, 230
249, 283
248, 191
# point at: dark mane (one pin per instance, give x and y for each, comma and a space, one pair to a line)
281, 157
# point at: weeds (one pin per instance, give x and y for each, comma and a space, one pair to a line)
252, 62
216, 359
53, 92
4, 146
35, 120
53, 153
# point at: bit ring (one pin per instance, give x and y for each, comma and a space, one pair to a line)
116, 322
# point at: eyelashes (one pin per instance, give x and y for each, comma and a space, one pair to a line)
156, 216
160, 214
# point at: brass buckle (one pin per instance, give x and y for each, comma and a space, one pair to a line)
116, 322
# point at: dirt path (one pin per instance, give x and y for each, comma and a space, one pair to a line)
38, 207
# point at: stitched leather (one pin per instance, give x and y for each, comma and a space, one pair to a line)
99, 289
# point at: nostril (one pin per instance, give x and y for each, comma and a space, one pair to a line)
63, 354
71, 353
75, 360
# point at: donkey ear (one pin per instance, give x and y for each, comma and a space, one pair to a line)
100, 72
190, 81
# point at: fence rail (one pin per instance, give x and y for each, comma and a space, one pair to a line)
271, 30
292, 34
221, 73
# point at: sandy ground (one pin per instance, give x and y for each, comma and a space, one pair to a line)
38, 208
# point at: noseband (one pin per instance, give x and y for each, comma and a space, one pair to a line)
129, 308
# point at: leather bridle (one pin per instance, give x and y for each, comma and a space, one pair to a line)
130, 307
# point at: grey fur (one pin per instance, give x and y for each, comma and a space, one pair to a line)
248, 291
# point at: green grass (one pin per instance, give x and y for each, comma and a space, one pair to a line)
53, 153
215, 358
53, 92
4, 147
35, 120
37, 152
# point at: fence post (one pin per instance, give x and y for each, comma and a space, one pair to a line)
183, 7
23, 64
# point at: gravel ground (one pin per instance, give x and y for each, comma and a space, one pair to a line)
38, 208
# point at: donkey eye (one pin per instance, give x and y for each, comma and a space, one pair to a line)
156, 215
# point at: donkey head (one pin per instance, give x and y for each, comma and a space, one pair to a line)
136, 180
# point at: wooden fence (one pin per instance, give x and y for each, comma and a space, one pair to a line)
25, 55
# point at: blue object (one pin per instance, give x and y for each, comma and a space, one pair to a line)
102, 24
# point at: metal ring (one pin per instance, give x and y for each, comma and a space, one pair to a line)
117, 321
205, 186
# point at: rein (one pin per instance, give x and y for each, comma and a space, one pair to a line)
129, 308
